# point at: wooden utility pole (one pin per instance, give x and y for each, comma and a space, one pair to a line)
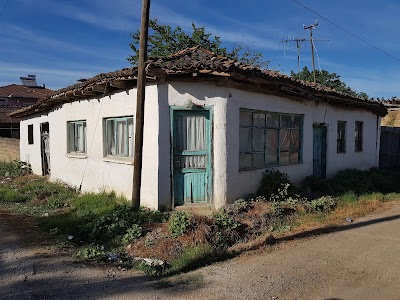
141, 88
311, 27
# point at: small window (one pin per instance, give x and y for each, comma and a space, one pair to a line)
30, 134
341, 137
76, 136
119, 137
359, 136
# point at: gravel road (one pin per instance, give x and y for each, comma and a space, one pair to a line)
360, 260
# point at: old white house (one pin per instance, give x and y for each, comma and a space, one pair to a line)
212, 126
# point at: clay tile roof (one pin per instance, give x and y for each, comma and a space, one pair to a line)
4, 115
22, 91
206, 64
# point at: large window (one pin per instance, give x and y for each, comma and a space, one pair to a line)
30, 134
269, 139
341, 137
76, 136
119, 136
359, 136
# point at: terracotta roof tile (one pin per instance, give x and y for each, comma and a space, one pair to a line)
22, 91
200, 61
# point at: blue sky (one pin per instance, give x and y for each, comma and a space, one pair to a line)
62, 41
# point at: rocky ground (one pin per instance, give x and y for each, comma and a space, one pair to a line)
360, 260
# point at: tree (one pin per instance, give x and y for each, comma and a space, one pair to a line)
327, 79
165, 40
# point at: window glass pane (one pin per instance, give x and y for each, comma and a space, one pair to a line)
110, 133
294, 157
258, 139
71, 138
285, 121
190, 161
272, 120
122, 137
296, 122
294, 139
258, 160
271, 155
245, 140
245, 161
284, 139
284, 158
79, 137
258, 119
130, 136
245, 118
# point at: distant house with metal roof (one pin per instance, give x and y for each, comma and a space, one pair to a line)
212, 126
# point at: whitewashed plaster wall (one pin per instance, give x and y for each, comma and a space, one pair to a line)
242, 183
31, 153
94, 172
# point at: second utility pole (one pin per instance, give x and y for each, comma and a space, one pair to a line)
141, 88
311, 27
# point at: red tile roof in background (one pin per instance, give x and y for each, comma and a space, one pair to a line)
22, 91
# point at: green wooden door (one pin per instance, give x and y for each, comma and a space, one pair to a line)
319, 151
191, 156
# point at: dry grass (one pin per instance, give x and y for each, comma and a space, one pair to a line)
392, 119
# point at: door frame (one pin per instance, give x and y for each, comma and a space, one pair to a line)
324, 150
210, 171
46, 168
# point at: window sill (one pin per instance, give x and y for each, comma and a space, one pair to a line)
119, 160
77, 155
271, 166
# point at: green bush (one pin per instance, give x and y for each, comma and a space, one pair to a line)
179, 223
14, 168
322, 204
272, 182
225, 221
133, 233
90, 252
358, 181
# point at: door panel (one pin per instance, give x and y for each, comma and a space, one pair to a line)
319, 151
191, 156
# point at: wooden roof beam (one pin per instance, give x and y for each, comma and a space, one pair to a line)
123, 83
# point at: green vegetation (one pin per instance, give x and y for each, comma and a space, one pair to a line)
327, 79
14, 168
165, 40
103, 227
179, 223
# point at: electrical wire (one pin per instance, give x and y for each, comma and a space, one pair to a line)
347, 31
4, 8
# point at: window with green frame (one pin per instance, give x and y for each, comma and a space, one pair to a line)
119, 136
76, 136
268, 138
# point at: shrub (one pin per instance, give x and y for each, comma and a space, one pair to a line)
322, 204
179, 223
225, 221
90, 252
272, 182
14, 168
133, 233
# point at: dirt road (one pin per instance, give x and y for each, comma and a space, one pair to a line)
360, 260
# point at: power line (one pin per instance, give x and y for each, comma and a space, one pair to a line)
348, 32
4, 8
